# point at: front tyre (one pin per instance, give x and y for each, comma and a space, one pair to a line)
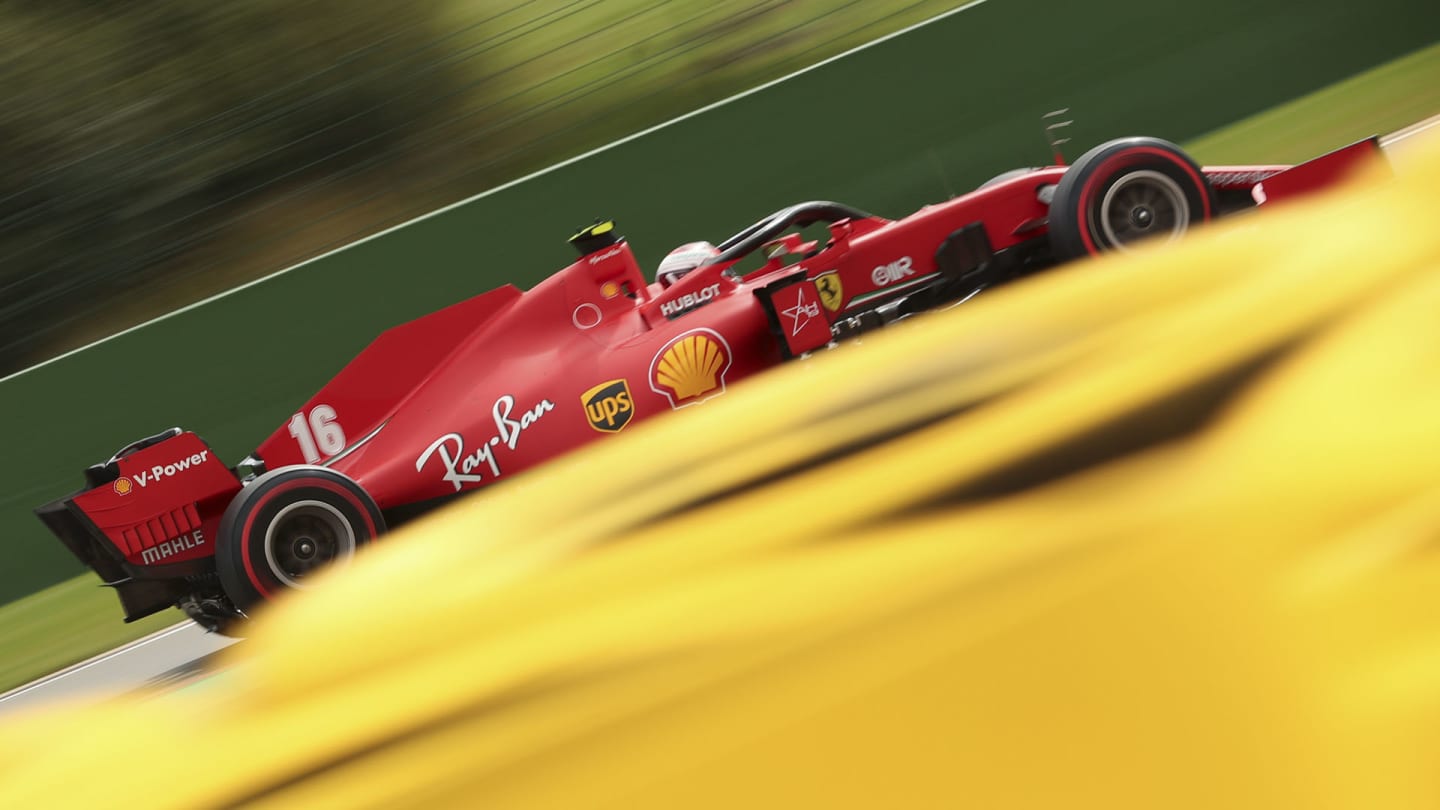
285, 526
1126, 191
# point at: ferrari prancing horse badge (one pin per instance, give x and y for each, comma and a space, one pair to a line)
832, 294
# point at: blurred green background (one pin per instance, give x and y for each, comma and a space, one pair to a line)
160, 151
157, 151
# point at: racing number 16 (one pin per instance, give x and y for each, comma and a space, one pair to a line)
322, 435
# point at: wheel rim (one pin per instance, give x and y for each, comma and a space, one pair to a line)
304, 537
1144, 205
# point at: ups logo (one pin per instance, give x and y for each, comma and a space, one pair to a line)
608, 406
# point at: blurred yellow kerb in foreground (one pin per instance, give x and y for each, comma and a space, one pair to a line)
1157, 531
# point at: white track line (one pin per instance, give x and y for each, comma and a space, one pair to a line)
505, 186
90, 662
1413, 129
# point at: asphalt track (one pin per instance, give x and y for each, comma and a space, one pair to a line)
164, 659
184, 653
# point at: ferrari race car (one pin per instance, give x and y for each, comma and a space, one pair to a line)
456, 400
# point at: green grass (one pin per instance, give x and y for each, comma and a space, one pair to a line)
76, 619
1374, 103
64, 624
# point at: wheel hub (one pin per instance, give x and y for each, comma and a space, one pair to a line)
304, 537
1143, 204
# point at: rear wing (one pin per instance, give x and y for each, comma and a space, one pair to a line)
147, 518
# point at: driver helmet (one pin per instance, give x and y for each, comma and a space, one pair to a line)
682, 260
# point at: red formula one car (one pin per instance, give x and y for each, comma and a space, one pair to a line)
491, 386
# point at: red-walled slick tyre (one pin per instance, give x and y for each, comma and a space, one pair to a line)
287, 525
1127, 191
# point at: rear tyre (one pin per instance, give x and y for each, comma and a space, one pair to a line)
1124, 192
286, 526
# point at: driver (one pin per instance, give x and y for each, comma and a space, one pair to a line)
682, 260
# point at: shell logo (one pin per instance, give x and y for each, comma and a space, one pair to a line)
122, 486
691, 368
